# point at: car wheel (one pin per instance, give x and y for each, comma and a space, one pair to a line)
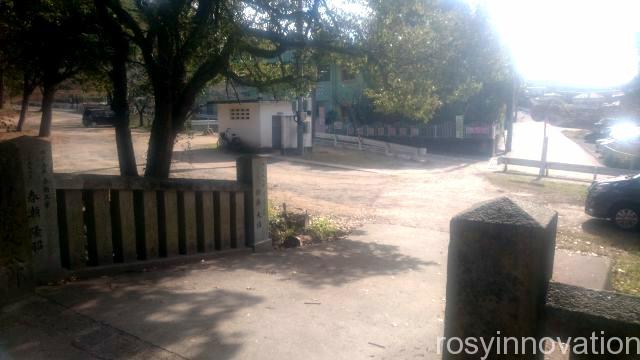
626, 217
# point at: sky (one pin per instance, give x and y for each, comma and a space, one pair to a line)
579, 43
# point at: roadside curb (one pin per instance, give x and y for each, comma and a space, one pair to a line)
319, 163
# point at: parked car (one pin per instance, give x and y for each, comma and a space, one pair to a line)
617, 199
93, 116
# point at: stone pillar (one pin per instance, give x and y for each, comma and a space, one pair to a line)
16, 260
500, 263
30, 206
252, 171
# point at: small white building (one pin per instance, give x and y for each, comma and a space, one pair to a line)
262, 124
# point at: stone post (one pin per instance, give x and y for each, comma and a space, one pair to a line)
252, 171
500, 263
16, 260
28, 206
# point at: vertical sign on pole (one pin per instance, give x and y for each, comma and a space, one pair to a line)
459, 126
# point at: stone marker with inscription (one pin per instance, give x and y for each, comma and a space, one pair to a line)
38, 197
253, 171
16, 261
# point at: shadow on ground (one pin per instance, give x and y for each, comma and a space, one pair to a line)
609, 233
190, 309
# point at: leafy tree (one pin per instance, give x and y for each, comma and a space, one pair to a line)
186, 45
17, 52
52, 41
64, 36
427, 53
140, 92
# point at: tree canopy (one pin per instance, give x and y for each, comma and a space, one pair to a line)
186, 45
426, 53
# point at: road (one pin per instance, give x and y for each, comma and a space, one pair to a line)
527, 143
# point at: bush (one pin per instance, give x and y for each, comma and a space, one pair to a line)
288, 224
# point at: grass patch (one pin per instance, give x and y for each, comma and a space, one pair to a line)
8, 118
592, 237
625, 276
295, 227
545, 189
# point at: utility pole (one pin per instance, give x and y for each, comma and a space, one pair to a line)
512, 110
300, 71
545, 145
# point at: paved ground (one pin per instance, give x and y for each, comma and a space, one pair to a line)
527, 143
379, 293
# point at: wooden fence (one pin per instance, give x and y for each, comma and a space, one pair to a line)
89, 224
110, 219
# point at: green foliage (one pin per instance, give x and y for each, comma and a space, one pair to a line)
294, 223
322, 229
626, 274
48, 40
426, 53
185, 46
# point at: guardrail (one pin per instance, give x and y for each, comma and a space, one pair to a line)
376, 146
616, 157
549, 165
208, 123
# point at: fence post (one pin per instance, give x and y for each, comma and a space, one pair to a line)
252, 171
499, 266
28, 208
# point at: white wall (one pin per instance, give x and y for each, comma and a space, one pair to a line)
267, 110
249, 130
290, 133
256, 131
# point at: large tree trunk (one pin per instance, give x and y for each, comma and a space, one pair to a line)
1, 88
126, 155
163, 136
120, 107
141, 120
47, 108
27, 90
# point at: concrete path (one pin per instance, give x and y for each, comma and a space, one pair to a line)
527, 143
379, 294
583, 270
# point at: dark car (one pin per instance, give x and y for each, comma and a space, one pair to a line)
617, 199
94, 116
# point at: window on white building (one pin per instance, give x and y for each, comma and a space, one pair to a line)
240, 114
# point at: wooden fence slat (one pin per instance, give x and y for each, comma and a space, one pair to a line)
99, 227
223, 220
149, 243
127, 228
76, 245
171, 222
240, 240
188, 211
208, 221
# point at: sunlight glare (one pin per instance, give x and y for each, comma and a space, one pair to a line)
570, 42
